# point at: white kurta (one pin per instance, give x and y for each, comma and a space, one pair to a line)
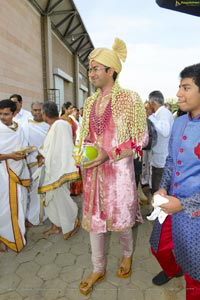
14, 178
59, 168
23, 116
22, 119
35, 133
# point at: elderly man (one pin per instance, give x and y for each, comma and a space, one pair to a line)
58, 169
35, 132
162, 120
114, 120
14, 180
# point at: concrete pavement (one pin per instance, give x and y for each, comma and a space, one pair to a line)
51, 268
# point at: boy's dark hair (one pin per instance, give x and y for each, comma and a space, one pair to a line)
193, 72
7, 103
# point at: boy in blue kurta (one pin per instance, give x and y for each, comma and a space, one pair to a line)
176, 243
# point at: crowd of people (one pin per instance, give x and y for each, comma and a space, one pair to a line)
36, 168
136, 143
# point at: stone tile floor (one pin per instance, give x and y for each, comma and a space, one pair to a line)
51, 268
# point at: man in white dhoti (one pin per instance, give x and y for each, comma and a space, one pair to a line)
14, 180
35, 132
58, 169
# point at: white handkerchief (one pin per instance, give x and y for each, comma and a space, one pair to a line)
158, 212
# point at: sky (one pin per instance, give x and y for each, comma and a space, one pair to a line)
160, 42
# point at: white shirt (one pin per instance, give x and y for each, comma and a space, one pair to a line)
35, 134
163, 121
22, 116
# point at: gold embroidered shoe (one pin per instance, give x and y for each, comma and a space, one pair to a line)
124, 270
86, 285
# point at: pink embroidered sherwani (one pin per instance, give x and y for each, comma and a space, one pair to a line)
110, 195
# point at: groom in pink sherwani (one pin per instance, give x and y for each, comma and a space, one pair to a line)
114, 120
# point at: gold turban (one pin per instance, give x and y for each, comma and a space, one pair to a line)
111, 58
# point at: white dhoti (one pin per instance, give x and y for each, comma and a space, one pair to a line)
35, 133
14, 180
36, 212
61, 209
59, 168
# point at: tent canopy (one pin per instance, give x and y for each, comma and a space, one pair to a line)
66, 22
187, 7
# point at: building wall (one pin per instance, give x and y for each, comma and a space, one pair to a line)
22, 61
63, 59
83, 90
68, 92
84, 77
20, 52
